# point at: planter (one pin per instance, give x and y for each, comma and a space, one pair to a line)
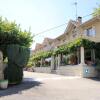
3, 84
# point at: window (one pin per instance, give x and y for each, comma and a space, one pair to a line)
90, 32
45, 45
64, 40
74, 33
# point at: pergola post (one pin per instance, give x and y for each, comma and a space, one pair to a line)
82, 55
41, 62
78, 56
34, 64
59, 60
52, 62
56, 59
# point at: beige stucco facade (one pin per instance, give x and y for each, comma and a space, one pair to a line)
45, 46
75, 29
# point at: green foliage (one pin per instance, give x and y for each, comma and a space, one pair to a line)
65, 49
17, 58
96, 11
5, 61
3, 48
72, 46
40, 55
30, 62
14, 44
11, 33
13, 73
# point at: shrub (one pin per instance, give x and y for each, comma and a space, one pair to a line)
17, 58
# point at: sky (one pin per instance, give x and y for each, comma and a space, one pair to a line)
41, 15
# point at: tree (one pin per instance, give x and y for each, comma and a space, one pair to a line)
96, 11
14, 43
18, 57
11, 33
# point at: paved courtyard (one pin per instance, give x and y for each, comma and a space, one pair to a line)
39, 86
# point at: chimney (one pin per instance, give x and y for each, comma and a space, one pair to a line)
79, 20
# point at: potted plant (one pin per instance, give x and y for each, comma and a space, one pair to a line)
3, 84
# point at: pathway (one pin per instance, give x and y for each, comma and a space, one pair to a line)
39, 86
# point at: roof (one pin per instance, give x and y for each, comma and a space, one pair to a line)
47, 39
70, 24
97, 18
38, 45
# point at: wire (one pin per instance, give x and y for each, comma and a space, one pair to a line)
51, 28
59, 26
87, 15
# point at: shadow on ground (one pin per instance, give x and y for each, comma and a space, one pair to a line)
95, 79
27, 83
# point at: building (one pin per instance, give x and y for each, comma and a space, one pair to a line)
89, 30
45, 46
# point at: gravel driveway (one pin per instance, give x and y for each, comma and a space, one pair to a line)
39, 86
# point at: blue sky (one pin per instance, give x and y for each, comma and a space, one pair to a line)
44, 14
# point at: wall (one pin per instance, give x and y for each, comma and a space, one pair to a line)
96, 25
70, 70
42, 69
89, 71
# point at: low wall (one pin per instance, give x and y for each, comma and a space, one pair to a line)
42, 69
77, 70
70, 70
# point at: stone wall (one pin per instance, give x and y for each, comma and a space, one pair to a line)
77, 70
70, 70
42, 69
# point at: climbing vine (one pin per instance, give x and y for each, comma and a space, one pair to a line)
72, 46
65, 49
40, 55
